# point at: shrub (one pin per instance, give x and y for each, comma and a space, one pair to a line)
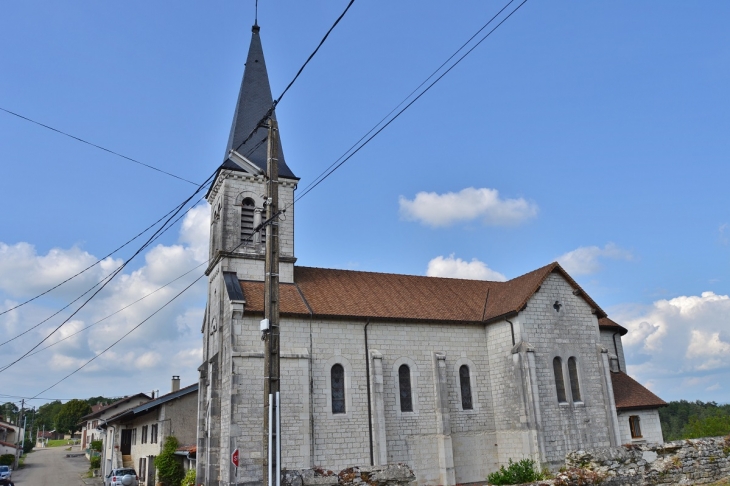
95, 462
519, 472
169, 470
27, 446
7, 459
189, 479
578, 477
96, 445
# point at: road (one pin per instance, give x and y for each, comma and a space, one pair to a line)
51, 467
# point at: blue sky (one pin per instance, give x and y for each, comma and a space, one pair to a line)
592, 133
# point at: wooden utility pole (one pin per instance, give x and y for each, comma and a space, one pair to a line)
17, 437
272, 436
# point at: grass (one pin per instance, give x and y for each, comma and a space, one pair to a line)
59, 443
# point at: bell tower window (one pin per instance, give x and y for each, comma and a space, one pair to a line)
248, 207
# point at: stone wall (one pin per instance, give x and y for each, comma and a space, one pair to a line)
696, 461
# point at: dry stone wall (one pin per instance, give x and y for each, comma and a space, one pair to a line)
684, 462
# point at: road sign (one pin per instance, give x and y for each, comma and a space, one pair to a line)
234, 458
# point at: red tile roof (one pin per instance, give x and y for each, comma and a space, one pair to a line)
610, 325
346, 293
629, 394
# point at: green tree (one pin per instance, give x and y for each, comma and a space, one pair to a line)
67, 420
46, 415
9, 411
169, 470
711, 426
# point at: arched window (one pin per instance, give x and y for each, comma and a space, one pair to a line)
247, 211
559, 382
337, 378
465, 381
404, 382
574, 385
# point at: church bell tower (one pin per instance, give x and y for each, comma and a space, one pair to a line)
237, 196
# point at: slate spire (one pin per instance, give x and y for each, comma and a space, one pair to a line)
254, 100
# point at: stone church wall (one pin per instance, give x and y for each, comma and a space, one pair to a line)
570, 331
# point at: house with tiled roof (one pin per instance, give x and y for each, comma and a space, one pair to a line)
453, 377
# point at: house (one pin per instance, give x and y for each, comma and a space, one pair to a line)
140, 431
9, 437
95, 427
452, 377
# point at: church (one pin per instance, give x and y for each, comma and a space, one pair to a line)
452, 377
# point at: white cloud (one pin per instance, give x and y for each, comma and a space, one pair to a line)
168, 344
685, 339
469, 204
457, 268
586, 259
724, 234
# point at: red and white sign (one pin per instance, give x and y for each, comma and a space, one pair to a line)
234, 458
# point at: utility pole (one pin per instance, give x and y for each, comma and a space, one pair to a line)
17, 438
272, 436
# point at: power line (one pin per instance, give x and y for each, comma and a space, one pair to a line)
328, 172
87, 268
408, 96
248, 239
96, 146
114, 274
108, 276
278, 100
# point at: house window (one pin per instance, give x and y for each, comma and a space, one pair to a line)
465, 381
404, 382
247, 211
144, 435
134, 436
574, 385
337, 377
559, 382
635, 427
142, 468
153, 434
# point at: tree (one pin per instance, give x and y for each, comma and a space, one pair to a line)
67, 420
46, 415
9, 411
169, 470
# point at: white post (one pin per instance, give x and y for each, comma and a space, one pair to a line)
278, 441
271, 426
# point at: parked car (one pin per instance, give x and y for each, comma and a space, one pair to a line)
5, 472
122, 477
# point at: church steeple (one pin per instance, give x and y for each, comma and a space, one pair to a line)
254, 100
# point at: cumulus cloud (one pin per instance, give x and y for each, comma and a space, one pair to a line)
466, 205
586, 260
452, 267
685, 339
168, 344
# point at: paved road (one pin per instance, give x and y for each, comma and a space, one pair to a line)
51, 467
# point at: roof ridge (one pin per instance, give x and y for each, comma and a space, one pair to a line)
370, 272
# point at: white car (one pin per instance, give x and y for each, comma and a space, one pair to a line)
122, 477
5, 472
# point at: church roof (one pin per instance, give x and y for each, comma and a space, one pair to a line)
347, 294
609, 325
629, 394
254, 100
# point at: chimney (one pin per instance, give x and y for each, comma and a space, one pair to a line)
175, 383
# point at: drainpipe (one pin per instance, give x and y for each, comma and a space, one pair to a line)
511, 328
367, 381
615, 348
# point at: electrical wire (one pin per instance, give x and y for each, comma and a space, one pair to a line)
330, 170
114, 274
87, 268
410, 94
100, 282
270, 111
95, 145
